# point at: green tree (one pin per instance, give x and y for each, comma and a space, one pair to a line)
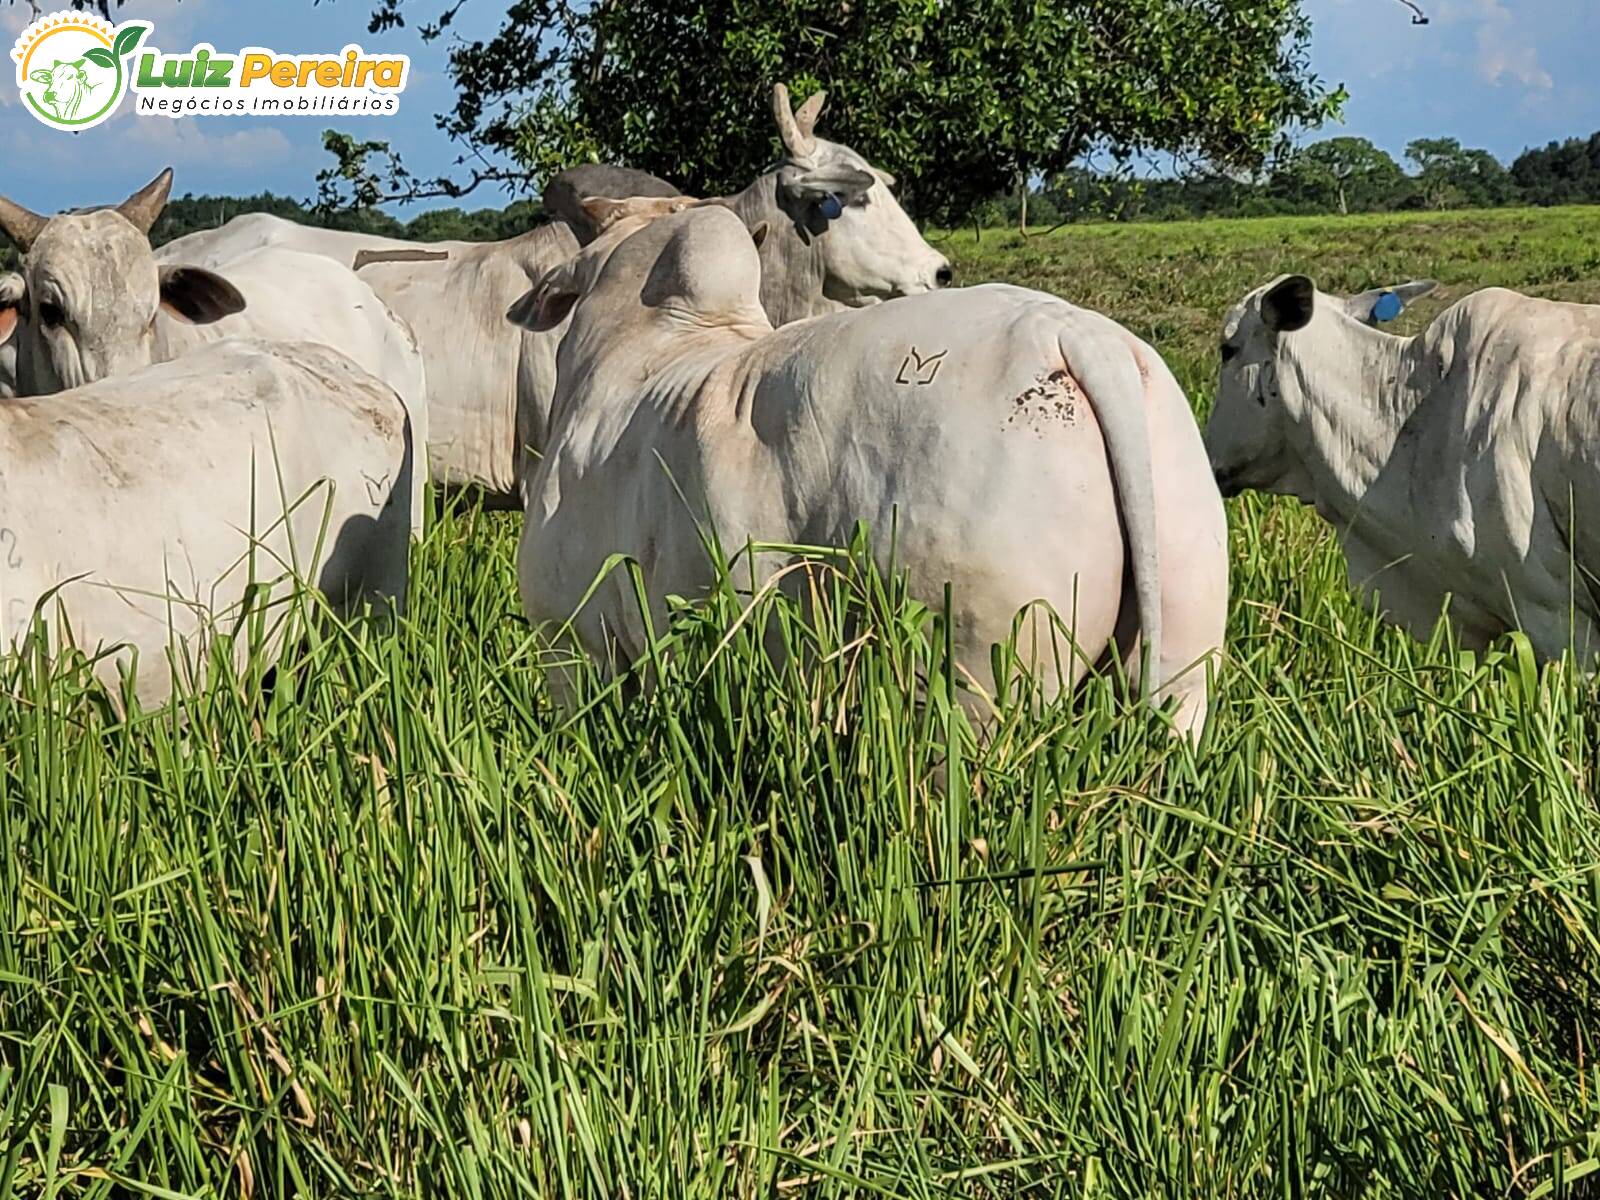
964, 98
1560, 173
1451, 176
480, 225
1342, 174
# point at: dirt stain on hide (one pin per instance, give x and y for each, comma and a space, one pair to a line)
1144, 369
1054, 396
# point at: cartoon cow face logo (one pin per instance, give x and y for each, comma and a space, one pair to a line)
74, 69
67, 86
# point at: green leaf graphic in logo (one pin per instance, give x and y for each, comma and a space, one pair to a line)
100, 57
128, 40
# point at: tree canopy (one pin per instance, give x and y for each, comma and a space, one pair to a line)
960, 97
1451, 176
1342, 173
1560, 173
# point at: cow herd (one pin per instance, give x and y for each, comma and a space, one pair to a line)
184, 432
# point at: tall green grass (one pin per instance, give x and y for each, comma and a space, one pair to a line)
394, 925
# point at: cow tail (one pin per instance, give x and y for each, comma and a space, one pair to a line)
1112, 378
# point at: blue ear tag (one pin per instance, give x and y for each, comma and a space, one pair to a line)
831, 207
1388, 307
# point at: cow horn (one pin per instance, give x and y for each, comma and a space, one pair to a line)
144, 206
798, 144
806, 115
21, 225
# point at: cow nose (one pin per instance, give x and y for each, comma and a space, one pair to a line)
944, 276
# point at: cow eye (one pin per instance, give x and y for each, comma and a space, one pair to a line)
1229, 353
51, 316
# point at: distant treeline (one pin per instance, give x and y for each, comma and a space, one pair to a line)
190, 213
187, 214
1339, 175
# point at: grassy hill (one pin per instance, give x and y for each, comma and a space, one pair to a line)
394, 929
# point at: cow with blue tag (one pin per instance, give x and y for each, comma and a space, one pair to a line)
1460, 466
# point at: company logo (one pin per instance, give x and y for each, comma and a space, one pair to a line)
74, 70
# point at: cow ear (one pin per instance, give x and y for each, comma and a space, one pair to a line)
542, 309
197, 296
815, 186
1385, 304
758, 235
40, 76
13, 291
1289, 304
602, 211
1415, 290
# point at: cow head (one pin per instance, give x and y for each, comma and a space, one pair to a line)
841, 207
91, 288
1247, 436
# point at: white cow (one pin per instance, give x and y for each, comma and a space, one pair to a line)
1005, 437
291, 296
839, 239
145, 508
253, 231
489, 384
92, 301
1462, 464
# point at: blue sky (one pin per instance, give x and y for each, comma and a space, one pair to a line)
1501, 74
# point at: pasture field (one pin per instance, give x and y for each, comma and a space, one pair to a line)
392, 928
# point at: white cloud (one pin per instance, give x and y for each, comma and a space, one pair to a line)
1505, 49
211, 142
134, 147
